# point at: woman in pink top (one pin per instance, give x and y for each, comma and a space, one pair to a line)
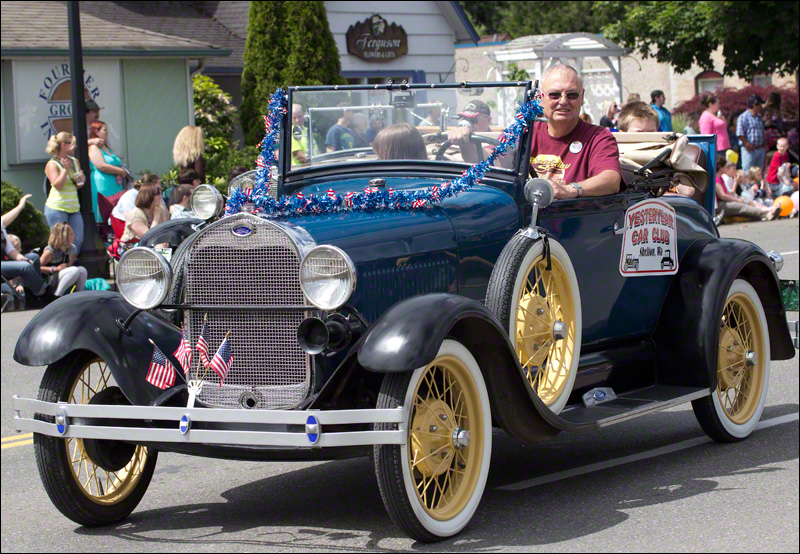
710, 124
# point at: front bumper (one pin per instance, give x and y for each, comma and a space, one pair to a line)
90, 421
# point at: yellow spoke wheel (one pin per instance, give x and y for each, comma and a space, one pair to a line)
98, 484
734, 407
432, 485
445, 403
90, 491
541, 311
543, 302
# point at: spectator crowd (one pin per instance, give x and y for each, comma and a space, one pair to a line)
756, 171
124, 210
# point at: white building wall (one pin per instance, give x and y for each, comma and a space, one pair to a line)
431, 40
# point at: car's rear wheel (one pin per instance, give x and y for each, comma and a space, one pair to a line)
92, 482
734, 407
432, 485
541, 311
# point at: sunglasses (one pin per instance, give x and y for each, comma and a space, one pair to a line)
558, 95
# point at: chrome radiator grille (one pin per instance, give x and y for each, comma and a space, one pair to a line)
259, 269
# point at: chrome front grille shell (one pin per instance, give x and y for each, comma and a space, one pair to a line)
262, 268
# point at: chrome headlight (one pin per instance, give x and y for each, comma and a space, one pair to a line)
327, 277
143, 277
206, 202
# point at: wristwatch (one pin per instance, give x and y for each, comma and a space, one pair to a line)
577, 187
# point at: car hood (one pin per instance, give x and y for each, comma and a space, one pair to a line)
484, 214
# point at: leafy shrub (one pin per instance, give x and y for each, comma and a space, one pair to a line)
220, 164
30, 226
213, 111
734, 101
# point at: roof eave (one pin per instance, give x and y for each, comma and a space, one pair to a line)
117, 53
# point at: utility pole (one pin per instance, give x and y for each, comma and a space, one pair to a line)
93, 256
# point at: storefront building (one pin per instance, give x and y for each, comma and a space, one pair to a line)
140, 56
141, 78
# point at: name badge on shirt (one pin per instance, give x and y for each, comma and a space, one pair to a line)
576, 147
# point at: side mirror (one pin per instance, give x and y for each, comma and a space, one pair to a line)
539, 192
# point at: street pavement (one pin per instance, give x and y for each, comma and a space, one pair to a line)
652, 484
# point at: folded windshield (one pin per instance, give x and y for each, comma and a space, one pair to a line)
452, 125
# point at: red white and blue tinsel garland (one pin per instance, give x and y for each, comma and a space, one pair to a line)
372, 198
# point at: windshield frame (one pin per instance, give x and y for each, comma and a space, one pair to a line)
286, 174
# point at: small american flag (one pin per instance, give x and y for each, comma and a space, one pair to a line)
267, 125
202, 345
223, 360
331, 194
184, 352
160, 373
300, 195
260, 162
349, 199
418, 203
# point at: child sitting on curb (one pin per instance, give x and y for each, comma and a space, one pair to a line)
58, 258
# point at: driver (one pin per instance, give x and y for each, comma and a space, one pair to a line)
476, 118
577, 158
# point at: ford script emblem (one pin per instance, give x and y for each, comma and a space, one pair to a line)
242, 231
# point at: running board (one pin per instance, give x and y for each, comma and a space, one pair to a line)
632, 404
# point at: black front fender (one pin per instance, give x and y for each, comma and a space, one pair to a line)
408, 335
172, 232
686, 335
86, 321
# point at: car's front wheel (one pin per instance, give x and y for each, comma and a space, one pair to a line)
92, 482
734, 407
432, 485
540, 309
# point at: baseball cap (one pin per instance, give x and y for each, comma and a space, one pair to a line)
475, 108
753, 100
92, 105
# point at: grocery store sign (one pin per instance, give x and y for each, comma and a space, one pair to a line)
374, 40
43, 102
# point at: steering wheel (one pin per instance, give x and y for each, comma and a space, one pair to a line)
477, 140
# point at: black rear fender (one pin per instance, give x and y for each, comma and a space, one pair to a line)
408, 335
686, 334
86, 321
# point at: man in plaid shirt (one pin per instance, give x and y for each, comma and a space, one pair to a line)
750, 130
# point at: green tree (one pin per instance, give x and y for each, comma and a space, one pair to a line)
288, 43
30, 225
213, 110
265, 57
313, 57
486, 17
756, 37
541, 18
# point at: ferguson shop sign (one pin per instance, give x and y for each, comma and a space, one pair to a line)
374, 40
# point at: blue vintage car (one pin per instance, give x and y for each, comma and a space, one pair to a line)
404, 321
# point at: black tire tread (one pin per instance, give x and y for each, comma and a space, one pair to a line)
707, 417
501, 284
53, 463
388, 464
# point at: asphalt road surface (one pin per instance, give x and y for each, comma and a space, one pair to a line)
652, 484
